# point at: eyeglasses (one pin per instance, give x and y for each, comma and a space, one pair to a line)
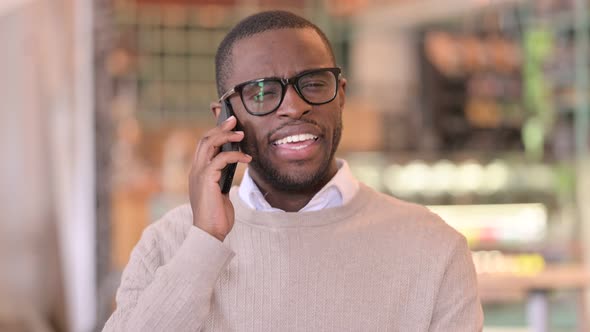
265, 95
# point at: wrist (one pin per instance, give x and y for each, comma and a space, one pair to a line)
218, 235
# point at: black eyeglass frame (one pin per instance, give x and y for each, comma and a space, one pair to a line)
284, 82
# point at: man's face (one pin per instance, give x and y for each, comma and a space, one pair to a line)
292, 166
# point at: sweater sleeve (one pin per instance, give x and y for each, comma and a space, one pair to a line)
174, 296
457, 306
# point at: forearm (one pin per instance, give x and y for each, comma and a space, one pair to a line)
177, 298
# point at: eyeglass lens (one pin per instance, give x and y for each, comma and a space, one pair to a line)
266, 95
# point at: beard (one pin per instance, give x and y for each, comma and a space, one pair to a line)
284, 180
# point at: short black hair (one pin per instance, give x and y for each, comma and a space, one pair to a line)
254, 24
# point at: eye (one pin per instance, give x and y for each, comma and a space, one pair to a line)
313, 84
316, 81
260, 91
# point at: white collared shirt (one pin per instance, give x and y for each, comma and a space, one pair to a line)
338, 191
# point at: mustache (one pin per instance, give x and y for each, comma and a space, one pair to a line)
294, 123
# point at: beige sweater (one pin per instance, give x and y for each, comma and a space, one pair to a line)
375, 264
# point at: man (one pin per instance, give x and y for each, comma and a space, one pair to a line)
300, 245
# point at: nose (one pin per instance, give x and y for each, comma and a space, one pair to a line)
293, 105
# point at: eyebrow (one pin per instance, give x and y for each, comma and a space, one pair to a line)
281, 78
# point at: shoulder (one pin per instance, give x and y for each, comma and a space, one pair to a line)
408, 220
176, 220
172, 226
163, 237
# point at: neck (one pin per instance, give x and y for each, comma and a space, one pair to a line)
244, 213
289, 200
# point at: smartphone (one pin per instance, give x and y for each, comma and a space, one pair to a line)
227, 174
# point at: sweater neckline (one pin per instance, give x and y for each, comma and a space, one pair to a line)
282, 219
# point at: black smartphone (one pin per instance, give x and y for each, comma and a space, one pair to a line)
227, 174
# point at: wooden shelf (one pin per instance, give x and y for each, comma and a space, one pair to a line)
495, 287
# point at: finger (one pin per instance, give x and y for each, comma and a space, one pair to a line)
210, 146
211, 142
213, 170
229, 123
225, 158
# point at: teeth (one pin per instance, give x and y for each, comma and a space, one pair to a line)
295, 139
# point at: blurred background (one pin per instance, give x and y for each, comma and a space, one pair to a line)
478, 109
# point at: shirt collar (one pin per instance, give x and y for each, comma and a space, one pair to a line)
337, 192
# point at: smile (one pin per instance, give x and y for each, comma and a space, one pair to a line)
288, 142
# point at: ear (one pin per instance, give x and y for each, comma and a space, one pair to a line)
342, 92
215, 108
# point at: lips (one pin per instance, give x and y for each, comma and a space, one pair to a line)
297, 141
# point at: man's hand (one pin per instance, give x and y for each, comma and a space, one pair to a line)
213, 211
